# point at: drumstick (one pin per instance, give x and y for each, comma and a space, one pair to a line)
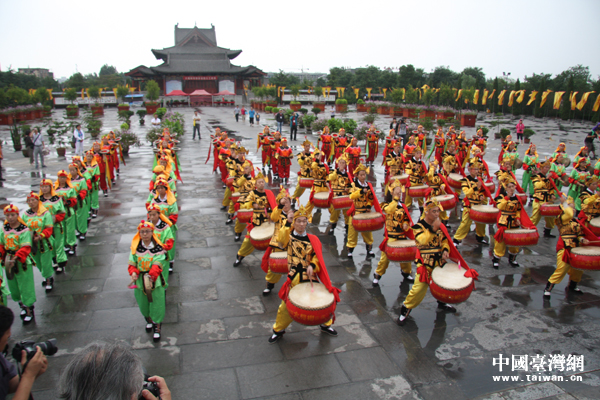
132, 285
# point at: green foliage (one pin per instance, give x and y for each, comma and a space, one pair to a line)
335, 124
283, 79
154, 134
141, 114
360, 101
125, 116
274, 110
94, 93
175, 122
160, 112
128, 139
268, 108
304, 111
441, 122
319, 124
370, 118
485, 130
70, 94
427, 124
446, 95
108, 70
341, 101
427, 97
259, 91
350, 126
152, 90
308, 119
15, 136
295, 91
271, 92
122, 91
23, 81
397, 95
316, 110
295, 102
528, 133
504, 132
318, 91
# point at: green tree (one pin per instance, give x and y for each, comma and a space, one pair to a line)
538, 111
446, 95
476, 73
107, 70
442, 74
70, 94
565, 108
122, 91
76, 81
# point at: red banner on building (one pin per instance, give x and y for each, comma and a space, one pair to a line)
199, 78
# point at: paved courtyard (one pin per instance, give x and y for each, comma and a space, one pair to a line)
215, 334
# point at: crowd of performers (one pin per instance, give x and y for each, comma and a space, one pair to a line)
336, 174
58, 217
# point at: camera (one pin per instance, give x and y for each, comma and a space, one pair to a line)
48, 348
152, 387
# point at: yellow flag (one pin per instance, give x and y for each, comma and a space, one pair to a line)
574, 100
544, 97
342, 89
50, 93
511, 97
584, 100
425, 87
420, 93
309, 89
403, 93
521, 96
459, 94
485, 97
369, 91
476, 97
557, 99
596, 104
356, 90
501, 97
492, 94
31, 91
82, 94
131, 89
384, 91
87, 92
115, 92
532, 96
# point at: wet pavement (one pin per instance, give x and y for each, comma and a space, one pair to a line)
215, 334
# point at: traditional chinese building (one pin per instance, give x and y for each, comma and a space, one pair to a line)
196, 62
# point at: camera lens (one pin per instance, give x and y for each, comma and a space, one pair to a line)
48, 347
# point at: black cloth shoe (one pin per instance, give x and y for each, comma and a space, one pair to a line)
49, 284
276, 336
171, 263
408, 277
481, 239
456, 242
548, 233
404, 313
573, 288
149, 325
332, 228
548, 289
446, 307
350, 250
328, 330
268, 289
237, 237
512, 260
495, 262
370, 253
156, 335
28, 318
376, 279
238, 261
223, 208
229, 219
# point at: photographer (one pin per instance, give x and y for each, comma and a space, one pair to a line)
10, 382
87, 374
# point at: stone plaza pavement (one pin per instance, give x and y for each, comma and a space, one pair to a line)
215, 334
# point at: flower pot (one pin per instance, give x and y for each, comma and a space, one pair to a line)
25, 152
21, 116
497, 135
295, 107
448, 115
440, 115
46, 113
6, 119
409, 113
427, 114
151, 108
18, 147
98, 110
526, 140
72, 112
123, 108
320, 106
468, 119
341, 108
61, 151
361, 107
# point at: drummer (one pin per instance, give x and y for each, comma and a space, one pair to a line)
440, 143
264, 141
416, 171
305, 160
434, 251
397, 227
562, 150
450, 164
582, 153
529, 165
571, 235
102, 162
475, 194
244, 185
231, 165
236, 171
305, 261
147, 257
340, 183
438, 186
511, 152
544, 194
590, 201
261, 202
352, 153
224, 156
504, 174
558, 171
319, 173
364, 198
373, 144
510, 218
340, 142
409, 147
275, 144
284, 160
326, 141
279, 216
16, 241
577, 180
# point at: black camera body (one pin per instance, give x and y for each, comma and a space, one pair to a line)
48, 347
152, 387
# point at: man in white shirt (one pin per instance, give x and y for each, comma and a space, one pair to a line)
155, 121
197, 120
79, 136
38, 147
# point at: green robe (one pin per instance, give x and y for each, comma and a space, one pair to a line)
559, 170
22, 286
143, 259
70, 221
575, 190
45, 247
93, 173
164, 233
83, 206
527, 184
55, 206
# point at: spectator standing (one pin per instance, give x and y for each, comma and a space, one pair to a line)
1, 157
38, 147
251, 115
257, 116
332, 112
29, 144
236, 111
402, 131
155, 121
293, 126
279, 118
520, 130
589, 140
394, 126
197, 120
243, 114
78, 136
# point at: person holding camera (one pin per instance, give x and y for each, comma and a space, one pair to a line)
87, 374
10, 381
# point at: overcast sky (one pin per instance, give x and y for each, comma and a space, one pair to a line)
517, 36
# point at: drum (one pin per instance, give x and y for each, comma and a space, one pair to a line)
310, 304
321, 200
484, 214
402, 178
278, 262
341, 202
401, 250
521, 237
518, 163
244, 215
454, 180
522, 197
417, 191
491, 186
447, 201
550, 210
594, 226
368, 222
587, 258
449, 284
260, 236
235, 196
229, 181
566, 161
305, 182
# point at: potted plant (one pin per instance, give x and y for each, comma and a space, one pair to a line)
427, 112
360, 106
316, 110
141, 114
319, 104
152, 93
122, 91
7, 116
94, 93
341, 105
125, 116
72, 109
16, 137
410, 111
468, 117
504, 132
307, 121
527, 134
128, 139
93, 124
295, 105
47, 111
268, 109
61, 148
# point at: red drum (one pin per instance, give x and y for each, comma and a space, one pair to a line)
305, 182
550, 210
368, 222
260, 236
229, 181
587, 258
521, 237
310, 304
321, 200
235, 196
484, 214
417, 191
278, 262
401, 250
449, 284
594, 226
522, 197
454, 180
447, 201
490, 185
341, 202
402, 178
244, 215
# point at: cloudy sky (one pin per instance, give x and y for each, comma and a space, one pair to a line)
521, 37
